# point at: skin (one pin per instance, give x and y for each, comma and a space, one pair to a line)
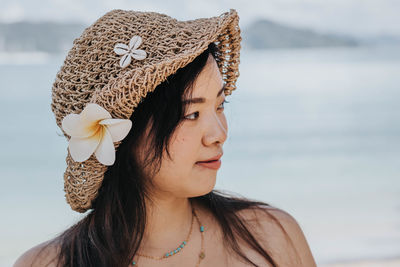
180, 178
199, 137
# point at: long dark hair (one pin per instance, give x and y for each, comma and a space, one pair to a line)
111, 233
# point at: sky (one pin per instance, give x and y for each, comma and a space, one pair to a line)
352, 17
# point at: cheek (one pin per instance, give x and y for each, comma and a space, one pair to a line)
180, 174
186, 148
176, 170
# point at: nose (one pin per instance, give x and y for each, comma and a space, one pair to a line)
217, 130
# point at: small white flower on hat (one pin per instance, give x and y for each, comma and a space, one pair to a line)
129, 51
94, 131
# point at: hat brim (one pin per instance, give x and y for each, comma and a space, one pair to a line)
127, 86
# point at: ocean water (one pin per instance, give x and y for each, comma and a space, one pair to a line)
315, 132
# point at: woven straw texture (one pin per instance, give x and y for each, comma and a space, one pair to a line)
91, 74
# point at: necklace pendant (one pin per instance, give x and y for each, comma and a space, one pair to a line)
202, 255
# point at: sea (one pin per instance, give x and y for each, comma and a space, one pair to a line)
312, 131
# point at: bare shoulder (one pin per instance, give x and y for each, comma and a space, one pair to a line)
281, 233
43, 254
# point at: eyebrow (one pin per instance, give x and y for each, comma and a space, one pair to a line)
200, 100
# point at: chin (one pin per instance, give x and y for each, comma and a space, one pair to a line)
205, 184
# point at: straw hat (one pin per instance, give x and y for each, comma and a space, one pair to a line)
112, 66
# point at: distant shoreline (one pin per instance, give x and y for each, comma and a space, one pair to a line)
43, 57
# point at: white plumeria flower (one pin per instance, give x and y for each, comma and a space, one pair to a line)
93, 130
130, 51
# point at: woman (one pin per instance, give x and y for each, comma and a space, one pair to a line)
140, 98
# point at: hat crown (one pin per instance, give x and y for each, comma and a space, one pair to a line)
92, 72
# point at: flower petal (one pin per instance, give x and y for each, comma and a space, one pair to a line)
135, 42
105, 152
93, 113
70, 124
139, 54
118, 128
125, 60
82, 148
121, 49
73, 126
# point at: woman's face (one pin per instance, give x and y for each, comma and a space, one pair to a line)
199, 137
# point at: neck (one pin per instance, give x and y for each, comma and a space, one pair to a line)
168, 225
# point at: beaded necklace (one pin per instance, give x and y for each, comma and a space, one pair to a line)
171, 253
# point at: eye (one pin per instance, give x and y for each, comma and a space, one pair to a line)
187, 117
222, 104
190, 116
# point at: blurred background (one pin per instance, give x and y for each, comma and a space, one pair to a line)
313, 125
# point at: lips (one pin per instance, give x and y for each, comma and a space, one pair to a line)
215, 164
213, 159
207, 161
